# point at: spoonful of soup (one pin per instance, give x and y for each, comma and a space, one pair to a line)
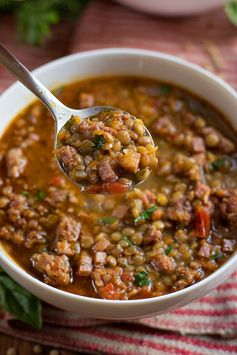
102, 149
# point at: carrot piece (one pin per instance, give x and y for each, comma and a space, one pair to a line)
109, 187
94, 189
109, 292
202, 221
116, 187
126, 276
57, 181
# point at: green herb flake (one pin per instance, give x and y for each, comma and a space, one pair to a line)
108, 220
168, 249
25, 193
231, 11
218, 164
141, 279
99, 141
41, 194
128, 240
146, 215
217, 255
16, 300
165, 89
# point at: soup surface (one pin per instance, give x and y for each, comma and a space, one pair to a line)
170, 232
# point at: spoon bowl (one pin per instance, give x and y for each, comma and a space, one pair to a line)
61, 113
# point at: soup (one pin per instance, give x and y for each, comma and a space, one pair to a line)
170, 232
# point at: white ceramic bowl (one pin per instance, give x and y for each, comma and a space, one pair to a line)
173, 7
120, 62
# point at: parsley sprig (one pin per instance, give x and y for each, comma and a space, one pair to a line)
146, 215
35, 18
141, 279
108, 220
218, 164
99, 141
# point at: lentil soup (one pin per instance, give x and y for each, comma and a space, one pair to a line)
171, 232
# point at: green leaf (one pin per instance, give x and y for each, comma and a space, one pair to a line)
41, 194
34, 19
108, 220
141, 279
19, 302
168, 249
147, 214
218, 164
217, 255
231, 11
165, 89
99, 141
25, 193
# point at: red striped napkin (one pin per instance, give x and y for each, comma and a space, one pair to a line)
208, 325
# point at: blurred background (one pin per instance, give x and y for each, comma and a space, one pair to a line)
38, 31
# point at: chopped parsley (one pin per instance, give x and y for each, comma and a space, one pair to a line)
99, 141
217, 255
25, 193
128, 240
41, 194
218, 164
141, 279
165, 89
146, 215
168, 249
108, 220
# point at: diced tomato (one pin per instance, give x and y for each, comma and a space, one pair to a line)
202, 221
145, 292
57, 181
116, 187
127, 276
110, 187
109, 292
94, 189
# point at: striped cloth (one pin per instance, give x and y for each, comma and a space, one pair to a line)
208, 325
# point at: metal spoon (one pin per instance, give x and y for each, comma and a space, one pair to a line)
60, 112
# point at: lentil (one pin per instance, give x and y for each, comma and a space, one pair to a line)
212, 140
11, 351
37, 349
165, 230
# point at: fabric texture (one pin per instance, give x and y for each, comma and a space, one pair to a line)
208, 325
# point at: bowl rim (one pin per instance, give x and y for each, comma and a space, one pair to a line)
6, 259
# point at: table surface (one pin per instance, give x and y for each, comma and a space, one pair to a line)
25, 347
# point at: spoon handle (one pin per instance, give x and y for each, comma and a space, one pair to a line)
21, 73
